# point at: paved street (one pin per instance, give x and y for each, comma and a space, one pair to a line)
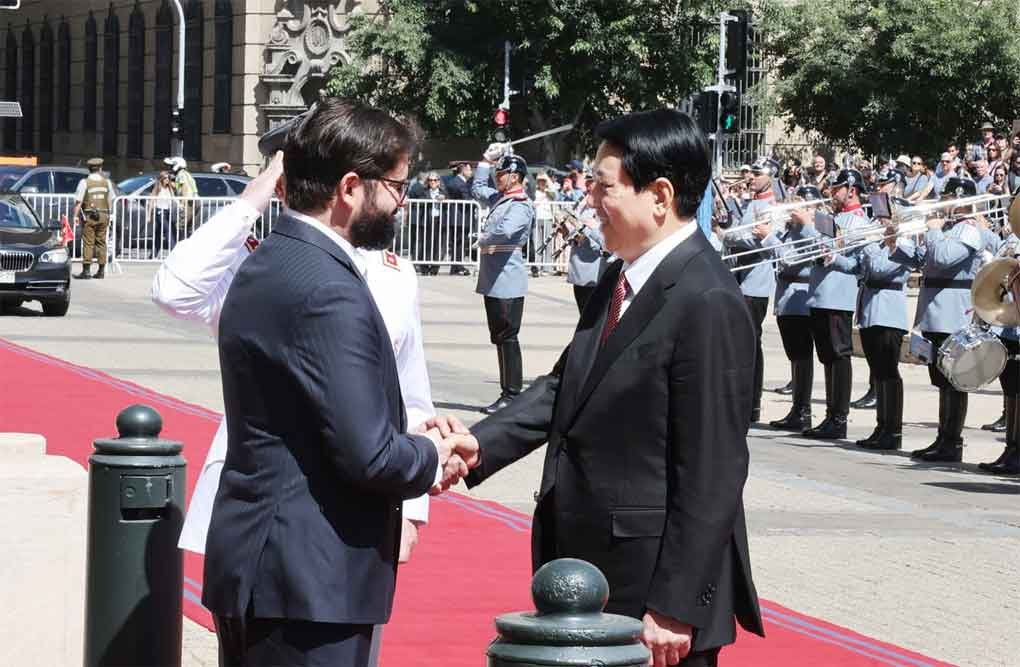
923, 556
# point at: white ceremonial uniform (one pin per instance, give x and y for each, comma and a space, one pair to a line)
192, 284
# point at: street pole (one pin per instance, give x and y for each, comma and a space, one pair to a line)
178, 147
720, 87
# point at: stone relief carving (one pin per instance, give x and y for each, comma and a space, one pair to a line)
306, 41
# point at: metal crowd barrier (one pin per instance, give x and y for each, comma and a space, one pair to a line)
439, 233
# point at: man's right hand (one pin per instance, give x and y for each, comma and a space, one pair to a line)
458, 454
494, 152
260, 190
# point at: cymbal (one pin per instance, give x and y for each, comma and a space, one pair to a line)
993, 301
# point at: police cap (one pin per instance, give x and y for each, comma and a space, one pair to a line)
95, 163
851, 178
766, 165
959, 187
809, 192
891, 176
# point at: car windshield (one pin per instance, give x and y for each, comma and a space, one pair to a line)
132, 184
14, 212
10, 175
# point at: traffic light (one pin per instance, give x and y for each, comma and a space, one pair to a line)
500, 119
729, 117
736, 44
10, 4
705, 111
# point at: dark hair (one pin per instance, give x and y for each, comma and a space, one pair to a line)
341, 136
663, 143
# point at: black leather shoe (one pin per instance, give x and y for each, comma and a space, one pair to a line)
886, 442
991, 465
951, 451
798, 419
997, 426
86, 273
785, 390
101, 273
930, 449
498, 405
868, 442
866, 402
1010, 465
833, 428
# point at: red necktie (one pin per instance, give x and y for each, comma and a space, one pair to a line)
619, 294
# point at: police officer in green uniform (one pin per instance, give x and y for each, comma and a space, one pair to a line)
94, 198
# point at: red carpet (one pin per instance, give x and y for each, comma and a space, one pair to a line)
471, 564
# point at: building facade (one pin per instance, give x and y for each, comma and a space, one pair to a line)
96, 77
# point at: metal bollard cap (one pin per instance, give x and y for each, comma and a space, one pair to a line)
138, 427
569, 627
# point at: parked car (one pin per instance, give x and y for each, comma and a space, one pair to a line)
34, 263
136, 230
38, 182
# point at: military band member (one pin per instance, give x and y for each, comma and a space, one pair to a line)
882, 317
502, 273
756, 284
949, 259
587, 255
832, 300
94, 203
791, 309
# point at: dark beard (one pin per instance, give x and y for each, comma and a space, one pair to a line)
373, 229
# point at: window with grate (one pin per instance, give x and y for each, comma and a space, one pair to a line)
136, 83
11, 88
162, 105
191, 118
224, 66
64, 76
46, 87
111, 83
91, 79
27, 98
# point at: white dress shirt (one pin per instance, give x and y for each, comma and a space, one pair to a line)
640, 270
192, 284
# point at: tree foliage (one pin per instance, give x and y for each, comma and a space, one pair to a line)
891, 76
576, 61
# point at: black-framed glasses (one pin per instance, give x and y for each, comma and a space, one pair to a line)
401, 186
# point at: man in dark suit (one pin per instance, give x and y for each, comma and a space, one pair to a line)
647, 410
464, 216
303, 544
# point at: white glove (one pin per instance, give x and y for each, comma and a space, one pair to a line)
494, 152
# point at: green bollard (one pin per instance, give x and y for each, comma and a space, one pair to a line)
569, 627
134, 568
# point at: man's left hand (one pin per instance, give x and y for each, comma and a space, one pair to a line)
668, 639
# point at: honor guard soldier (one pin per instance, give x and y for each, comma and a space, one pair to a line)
94, 199
882, 318
832, 300
758, 283
791, 308
587, 254
949, 259
502, 273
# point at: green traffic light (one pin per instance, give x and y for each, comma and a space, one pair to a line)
729, 122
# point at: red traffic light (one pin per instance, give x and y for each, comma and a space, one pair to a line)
501, 118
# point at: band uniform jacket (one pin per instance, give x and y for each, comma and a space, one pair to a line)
761, 280
307, 518
647, 453
882, 300
502, 273
952, 254
192, 283
587, 256
792, 278
830, 287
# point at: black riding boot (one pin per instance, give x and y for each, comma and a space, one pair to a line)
870, 398
799, 417
500, 402
809, 433
950, 449
934, 447
787, 388
999, 425
1008, 462
101, 273
880, 418
510, 375
837, 380
86, 271
890, 403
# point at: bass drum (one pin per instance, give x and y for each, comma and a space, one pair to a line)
971, 358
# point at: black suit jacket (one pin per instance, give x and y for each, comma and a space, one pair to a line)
647, 455
306, 521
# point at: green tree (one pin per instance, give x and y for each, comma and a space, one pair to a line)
892, 76
574, 61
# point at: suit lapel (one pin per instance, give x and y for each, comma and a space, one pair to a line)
295, 229
642, 310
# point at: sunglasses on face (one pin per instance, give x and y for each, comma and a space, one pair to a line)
916, 164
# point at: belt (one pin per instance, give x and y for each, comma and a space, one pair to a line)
493, 249
946, 283
879, 284
798, 279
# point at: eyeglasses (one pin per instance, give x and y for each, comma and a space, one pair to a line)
917, 163
400, 186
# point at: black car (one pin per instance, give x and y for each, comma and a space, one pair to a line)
34, 262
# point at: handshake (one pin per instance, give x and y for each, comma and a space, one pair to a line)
458, 450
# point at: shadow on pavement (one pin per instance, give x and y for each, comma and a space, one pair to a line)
978, 487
